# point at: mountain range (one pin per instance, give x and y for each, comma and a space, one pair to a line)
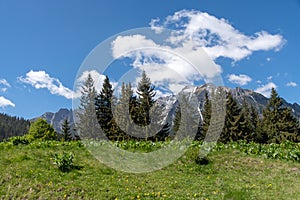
168, 103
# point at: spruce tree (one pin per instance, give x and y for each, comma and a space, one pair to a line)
145, 100
278, 122
87, 123
66, 131
234, 121
123, 111
103, 104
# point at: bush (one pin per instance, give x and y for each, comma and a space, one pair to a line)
64, 161
19, 140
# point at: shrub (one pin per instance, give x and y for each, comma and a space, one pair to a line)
64, 161
19, 140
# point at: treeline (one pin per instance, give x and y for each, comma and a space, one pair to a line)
12, 126
119, 116
242, 122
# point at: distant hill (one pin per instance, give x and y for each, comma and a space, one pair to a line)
12, 126
168, 103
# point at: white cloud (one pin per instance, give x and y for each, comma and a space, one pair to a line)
96, 76
4, 85
196, 35
291, 84
4, 82
5, 102
240, 79
40, 79
216, 35
163, 63
269, 78
266, 89
268, 59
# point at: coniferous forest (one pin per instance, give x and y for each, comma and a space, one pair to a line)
242, 122
12, 126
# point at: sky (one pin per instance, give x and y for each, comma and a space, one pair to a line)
48, 46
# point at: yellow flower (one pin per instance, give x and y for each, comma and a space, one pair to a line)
270, 185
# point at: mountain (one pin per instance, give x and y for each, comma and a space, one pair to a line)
169, 103
56, 119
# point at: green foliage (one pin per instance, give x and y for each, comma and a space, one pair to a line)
285, 151
145, 100
235, 122
66, 131
103, 104
230, 174
64, 161
87, 121
12, 126
19, 140
40, 129
278, 122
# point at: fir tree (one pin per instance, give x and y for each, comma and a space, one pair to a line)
278, 122
234, 121
103, 103
87, 123
123, 111
66, 131
145, 100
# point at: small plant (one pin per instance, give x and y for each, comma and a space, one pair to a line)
64, 161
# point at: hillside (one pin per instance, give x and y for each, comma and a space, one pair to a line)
230, 174
12, 126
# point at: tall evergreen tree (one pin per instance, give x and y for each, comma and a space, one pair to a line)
145, 100
103, 103
246, 125
66, 131
234, 121
278, 121
123, 111
87, 123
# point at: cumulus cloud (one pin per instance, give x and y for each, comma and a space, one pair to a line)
5, 102
291, 84
164, 63
40, 79
266, 89
216, 35
184, 51
240, 79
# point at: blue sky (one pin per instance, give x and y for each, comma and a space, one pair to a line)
44, 43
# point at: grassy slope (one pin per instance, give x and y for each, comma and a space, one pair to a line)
28, 173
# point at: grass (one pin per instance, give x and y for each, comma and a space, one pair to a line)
28, 172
